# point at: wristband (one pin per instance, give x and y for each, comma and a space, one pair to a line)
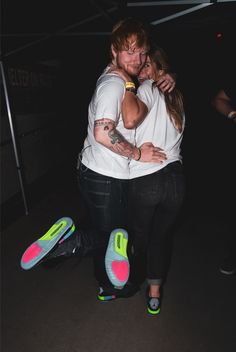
129, 85
232, 115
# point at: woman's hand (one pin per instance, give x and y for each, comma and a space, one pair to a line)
166, 82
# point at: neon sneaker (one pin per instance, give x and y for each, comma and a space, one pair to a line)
153, 305
57, 233
116, 259
111, 293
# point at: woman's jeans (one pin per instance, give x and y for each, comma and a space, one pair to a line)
155, 201
106, 199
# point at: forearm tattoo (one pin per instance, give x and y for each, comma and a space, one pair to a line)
116, 141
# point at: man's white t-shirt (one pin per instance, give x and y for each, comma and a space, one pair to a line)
106, 103
156, 128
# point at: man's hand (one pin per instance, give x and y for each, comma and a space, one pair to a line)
166, 82
151, 154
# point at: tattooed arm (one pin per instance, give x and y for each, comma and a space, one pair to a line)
106, 134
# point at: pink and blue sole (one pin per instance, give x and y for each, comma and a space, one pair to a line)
116, 259
57, 233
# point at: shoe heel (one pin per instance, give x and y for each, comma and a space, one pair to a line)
116, 259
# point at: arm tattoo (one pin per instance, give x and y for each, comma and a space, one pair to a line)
120, 145
115, 136
104, 123
116, 143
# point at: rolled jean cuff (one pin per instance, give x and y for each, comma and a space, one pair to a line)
154, 281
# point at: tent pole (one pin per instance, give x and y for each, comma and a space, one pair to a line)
18, 166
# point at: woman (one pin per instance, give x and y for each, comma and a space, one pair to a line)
156, 190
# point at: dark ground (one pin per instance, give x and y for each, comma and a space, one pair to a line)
57, 310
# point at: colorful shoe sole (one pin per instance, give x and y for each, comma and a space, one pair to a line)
116, 259
57, 233
106, 298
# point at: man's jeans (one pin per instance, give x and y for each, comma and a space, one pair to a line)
155, 201
106, 199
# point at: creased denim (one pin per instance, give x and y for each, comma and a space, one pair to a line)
106, 198
155, 201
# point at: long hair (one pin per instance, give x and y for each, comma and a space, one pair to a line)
174, 99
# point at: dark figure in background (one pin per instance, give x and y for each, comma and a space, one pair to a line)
225, 103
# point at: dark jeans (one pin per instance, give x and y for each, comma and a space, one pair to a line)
106, 199
155, 201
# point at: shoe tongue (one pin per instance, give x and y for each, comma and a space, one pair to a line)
154, 302
100, 290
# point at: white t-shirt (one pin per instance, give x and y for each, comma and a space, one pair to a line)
156, 128
106, 103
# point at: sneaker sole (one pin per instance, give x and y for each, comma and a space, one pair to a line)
58, 232
106, 298
116, 259
153, 312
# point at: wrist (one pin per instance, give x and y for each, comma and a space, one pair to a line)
138, 156
130, 86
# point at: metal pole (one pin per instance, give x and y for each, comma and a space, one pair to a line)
18, 166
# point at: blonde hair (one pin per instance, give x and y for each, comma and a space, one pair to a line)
174, 99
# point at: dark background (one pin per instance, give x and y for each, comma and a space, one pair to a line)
53, 52
70, 42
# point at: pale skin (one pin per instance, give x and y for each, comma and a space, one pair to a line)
130, 60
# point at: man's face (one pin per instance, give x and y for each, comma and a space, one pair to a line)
148, 71
131, 59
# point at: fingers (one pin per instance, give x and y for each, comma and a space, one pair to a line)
146, 144
157, 155
158, 149
150, 145
166, 85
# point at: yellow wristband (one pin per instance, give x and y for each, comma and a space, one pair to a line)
129, 85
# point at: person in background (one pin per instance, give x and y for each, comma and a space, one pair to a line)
224, 102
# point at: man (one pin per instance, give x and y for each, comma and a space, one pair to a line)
103, 170
103, 164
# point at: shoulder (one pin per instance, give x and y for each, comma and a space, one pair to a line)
110, 86
110, 78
